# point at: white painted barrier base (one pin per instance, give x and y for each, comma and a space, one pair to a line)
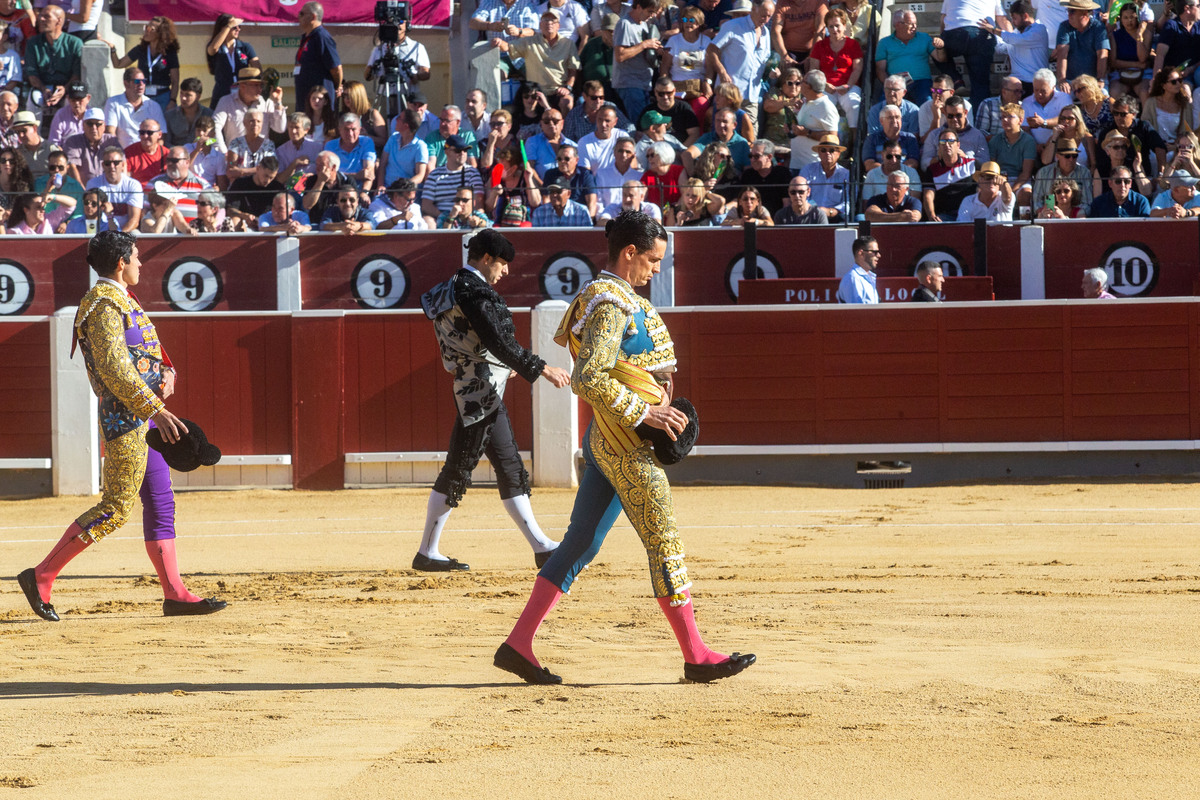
419, 468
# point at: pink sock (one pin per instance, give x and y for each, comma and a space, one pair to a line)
162, 554
683, 622
545, 596
69, 546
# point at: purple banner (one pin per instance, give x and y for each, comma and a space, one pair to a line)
425, 13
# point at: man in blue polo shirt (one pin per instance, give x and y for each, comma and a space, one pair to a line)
404, 155
357, 153
1082, 45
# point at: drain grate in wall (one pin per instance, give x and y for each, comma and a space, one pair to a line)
883, 483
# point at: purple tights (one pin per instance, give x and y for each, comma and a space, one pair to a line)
158, 499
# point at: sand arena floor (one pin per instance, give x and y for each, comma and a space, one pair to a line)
1007, 642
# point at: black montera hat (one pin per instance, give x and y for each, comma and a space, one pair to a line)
672, 452
193, 449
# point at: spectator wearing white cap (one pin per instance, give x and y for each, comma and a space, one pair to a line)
84, 149
33, 147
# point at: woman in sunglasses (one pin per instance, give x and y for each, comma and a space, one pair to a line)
780, 110
1168, 109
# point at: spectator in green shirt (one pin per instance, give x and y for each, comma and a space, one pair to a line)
596, 60
52, 60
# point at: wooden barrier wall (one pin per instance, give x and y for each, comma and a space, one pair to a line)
316, 385
1157, 258
25, 388
1030, 373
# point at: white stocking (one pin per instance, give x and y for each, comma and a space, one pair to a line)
522, 513
437, 511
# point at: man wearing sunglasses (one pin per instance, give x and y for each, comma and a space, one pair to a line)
684, 125
858, 285
123, 192
583, 182
125, 113
1143, 139
346, 216
147, 158
799, 211
971, 141
84, 150
177, 184
1066, 166
1120, 200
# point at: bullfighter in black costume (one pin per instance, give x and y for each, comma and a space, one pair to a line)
479, 347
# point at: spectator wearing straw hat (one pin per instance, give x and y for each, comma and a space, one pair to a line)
993, 200
246, 97
33, 147
828, 180
1066, 166
1082, 45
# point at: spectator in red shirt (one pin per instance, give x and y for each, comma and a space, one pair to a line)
147, 158
840, 58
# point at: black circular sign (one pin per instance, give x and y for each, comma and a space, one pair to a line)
192, 284
564, 274
1132, 269
951, 261
16, 288
766, 267
380, 282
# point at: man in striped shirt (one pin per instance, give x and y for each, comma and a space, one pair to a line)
559, 210
178, 184
443, 183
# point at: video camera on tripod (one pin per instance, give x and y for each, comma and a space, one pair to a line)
392, 72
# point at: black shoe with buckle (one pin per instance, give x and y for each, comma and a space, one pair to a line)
182, 608
40, 607
510, 660
707, 673
423, 563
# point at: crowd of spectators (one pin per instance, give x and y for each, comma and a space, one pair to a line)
712, 112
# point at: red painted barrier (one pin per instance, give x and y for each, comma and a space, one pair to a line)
804, 291
902, 247
837, 375
25, 390
710, 262
393, 270
399, 396
235, 377
183, 273
1143, 258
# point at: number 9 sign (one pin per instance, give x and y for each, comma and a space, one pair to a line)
16, 288
564, 274
380, 281
192, 284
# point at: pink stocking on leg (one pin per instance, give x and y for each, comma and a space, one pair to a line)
69, 546
544, 597
683, 623
162, 554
